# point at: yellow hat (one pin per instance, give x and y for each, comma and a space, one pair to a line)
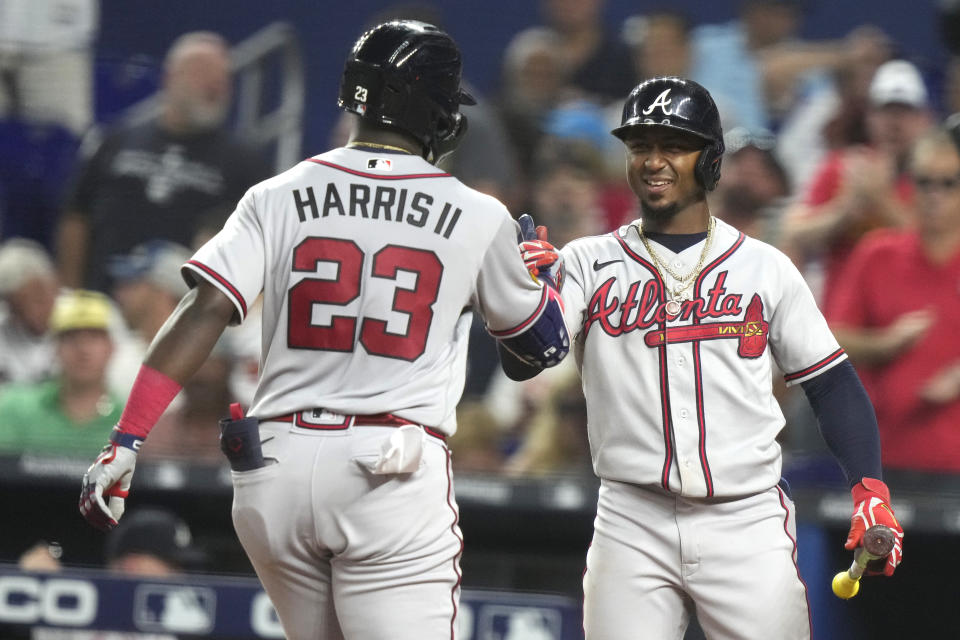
79, 309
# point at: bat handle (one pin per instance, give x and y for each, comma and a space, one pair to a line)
861, 557
877, 543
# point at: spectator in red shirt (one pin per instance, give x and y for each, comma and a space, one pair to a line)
861, 188
896, 313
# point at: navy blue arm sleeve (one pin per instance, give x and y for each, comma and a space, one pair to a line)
848, 423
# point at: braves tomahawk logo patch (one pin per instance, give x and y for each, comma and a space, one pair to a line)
751, 332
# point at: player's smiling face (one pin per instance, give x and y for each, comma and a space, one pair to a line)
660, 169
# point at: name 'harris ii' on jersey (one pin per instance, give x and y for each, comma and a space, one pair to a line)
375, 269
380, 202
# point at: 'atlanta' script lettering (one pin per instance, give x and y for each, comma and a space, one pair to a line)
642, 308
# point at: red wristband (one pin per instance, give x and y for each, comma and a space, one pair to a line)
152, 393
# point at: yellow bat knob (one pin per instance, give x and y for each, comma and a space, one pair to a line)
844, 586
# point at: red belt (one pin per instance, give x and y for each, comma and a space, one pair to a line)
338, 422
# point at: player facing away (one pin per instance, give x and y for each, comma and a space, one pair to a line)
369, 259
677, 320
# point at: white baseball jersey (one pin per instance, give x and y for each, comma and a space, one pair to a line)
685, 402
367, 262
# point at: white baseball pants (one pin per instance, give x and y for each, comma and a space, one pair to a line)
345, 553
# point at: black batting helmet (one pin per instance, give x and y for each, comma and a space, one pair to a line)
681, 104
406, 74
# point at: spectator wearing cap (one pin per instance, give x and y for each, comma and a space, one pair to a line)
829, 114
152, 541
147, 287
72, 413
861, 187
28, 288
147, 284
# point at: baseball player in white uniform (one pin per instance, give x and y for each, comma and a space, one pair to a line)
369, 259
677, 322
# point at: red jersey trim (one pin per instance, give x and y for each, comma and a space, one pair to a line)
666, 413
814, 367
523, 326
377, 176
232, 290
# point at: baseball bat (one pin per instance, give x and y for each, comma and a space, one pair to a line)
877, 543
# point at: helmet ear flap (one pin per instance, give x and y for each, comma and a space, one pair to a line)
707, 170
449, 133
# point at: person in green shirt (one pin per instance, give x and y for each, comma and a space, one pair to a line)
73, 413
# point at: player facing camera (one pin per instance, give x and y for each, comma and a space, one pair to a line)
679, 105
405, 76
700, 314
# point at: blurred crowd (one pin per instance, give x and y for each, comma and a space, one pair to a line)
838, 152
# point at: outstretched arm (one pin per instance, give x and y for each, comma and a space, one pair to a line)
178, 350
545, 342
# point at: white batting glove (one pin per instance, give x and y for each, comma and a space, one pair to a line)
109, 477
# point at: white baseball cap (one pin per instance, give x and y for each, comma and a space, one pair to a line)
898, 82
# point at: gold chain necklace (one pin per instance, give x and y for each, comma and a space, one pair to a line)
683, 283
375, 145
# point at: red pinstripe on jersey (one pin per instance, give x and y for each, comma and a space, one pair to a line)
223, 282
378, 176
697, 367
666, 413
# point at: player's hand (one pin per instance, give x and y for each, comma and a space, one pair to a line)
943, 387
871, 505
541, 258
538, 255
907, 329
106, 483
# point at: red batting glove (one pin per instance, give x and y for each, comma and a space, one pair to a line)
871, 505
543, 261
538, 255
